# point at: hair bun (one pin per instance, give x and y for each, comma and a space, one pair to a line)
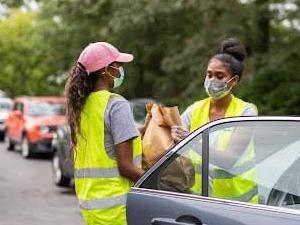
234, 48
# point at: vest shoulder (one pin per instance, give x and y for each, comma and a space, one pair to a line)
114, 96
246, 104
199, 103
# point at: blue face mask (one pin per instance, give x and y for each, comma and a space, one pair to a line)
117, 80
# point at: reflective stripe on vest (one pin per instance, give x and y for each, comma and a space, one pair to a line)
99, 187
233, 172
216, 172
244, 168
102, 172
103, 203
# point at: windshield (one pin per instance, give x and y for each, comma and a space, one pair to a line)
46, 109
5, 107
139, 113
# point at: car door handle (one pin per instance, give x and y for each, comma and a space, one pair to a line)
182, 220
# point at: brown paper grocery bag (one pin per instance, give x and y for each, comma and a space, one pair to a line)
179, 175
157, 138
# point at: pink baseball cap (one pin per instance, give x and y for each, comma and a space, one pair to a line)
100, 54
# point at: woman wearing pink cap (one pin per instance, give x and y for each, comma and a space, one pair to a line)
104, 139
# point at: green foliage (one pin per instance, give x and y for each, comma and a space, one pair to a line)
275, 88
12, 3
25, 58
172, 41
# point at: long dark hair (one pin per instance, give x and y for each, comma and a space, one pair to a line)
78, 87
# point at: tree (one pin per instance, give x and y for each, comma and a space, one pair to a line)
172, 41
24, 55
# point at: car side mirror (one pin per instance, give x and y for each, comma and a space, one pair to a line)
18, 114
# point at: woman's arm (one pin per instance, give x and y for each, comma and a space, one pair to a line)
235, 148
237, 144
126, 166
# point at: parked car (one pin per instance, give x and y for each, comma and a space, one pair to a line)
5, 108
33, 122
2, 94
62, 163
138, 106
276, 142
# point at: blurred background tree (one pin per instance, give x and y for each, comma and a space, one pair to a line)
172, 41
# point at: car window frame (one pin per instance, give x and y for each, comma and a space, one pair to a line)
205, 153
18, 104
30, 103
6, 103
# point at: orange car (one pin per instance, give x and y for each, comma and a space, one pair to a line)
32, 124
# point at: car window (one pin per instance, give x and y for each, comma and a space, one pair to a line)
46, 109
139, 109
18, 106
256, 162
139, 113
178, 173
5, 106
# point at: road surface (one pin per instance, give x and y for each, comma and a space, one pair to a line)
28, 195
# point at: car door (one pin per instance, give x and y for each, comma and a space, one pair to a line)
63, 145
161, 197
20, 122
14, 121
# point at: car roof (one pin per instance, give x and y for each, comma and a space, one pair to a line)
144, 101
5, 100
41, 98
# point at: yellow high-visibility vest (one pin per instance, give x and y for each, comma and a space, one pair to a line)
100, 188
239, 182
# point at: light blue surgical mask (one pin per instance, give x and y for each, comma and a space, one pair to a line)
117, 80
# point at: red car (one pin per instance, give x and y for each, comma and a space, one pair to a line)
32, 124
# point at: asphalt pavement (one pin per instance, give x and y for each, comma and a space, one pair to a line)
29, 197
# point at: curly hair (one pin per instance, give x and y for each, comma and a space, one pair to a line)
78, 87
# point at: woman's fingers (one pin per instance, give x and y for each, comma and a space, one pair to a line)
176, 137
147, 119
178, 133
179, 130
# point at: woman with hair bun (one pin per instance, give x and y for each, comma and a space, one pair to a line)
224, 71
